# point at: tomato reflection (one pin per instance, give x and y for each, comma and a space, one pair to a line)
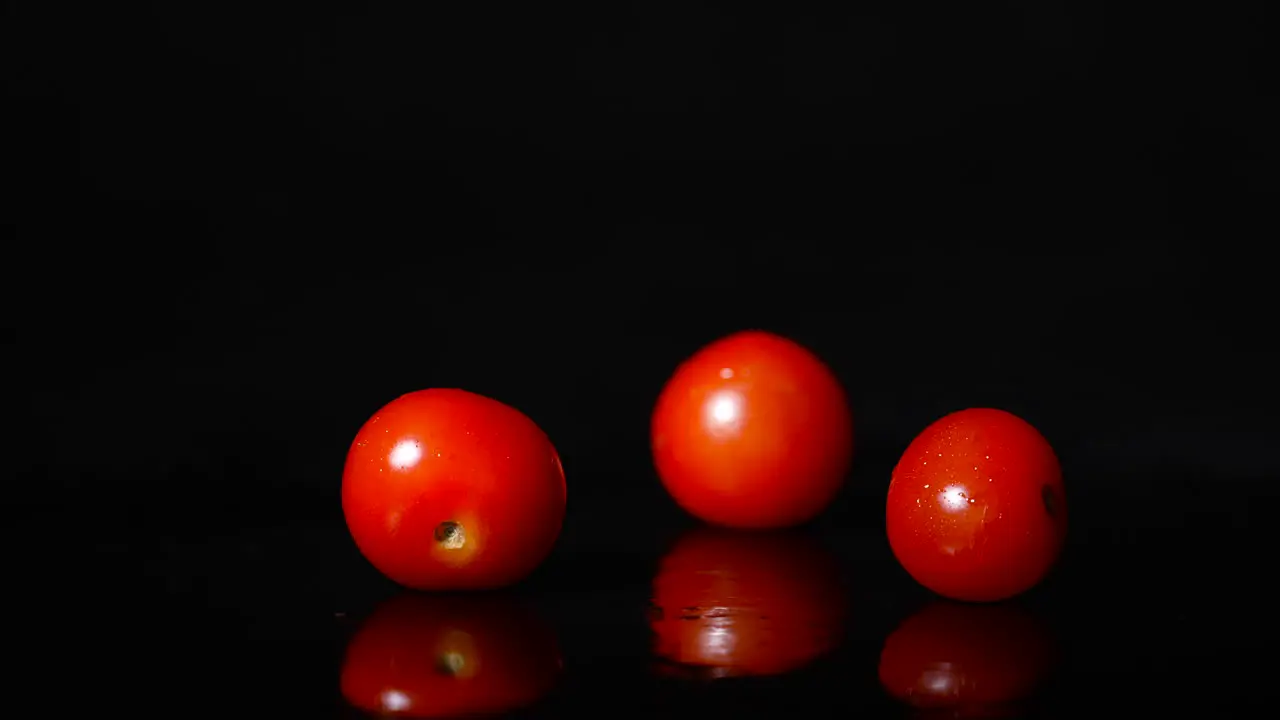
974, 661
729, 603
447, 655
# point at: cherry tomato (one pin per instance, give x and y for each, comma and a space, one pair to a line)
446, 489
753, 431
976, 661
727, 603
449, 655
976, 509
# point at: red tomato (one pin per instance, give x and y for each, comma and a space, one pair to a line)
449, 655
976, 508
977, 661
445, 489
753, 431
727, 603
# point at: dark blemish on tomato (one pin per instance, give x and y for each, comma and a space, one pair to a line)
691, 613
451, 535
1050, 503
450, 663
711, 613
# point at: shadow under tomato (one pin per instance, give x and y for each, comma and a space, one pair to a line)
967, 661
732, 604
429, 656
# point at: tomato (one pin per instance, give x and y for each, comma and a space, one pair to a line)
976, 508
449, 655
728, 603
973, 660
446, 489
753, 431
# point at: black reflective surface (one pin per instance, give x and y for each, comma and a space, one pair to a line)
662, 618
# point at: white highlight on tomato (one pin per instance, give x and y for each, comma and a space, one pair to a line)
953, 498
406, 454
724, 413
394, 701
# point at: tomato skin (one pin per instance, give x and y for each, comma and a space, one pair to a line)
449, 655
976, 508
976, 661
446, 489
752, 431
729, 603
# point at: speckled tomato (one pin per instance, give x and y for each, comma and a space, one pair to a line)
430, 656
446, 489
753, 431
976, 508
974, 661
729, 603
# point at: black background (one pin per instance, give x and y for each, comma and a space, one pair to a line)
238, 234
